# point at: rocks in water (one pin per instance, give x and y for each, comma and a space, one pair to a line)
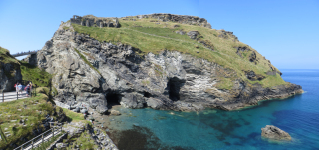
154, 103
115, 112
193, 34
274, 133
101, 109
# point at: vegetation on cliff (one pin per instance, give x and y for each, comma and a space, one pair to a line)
150, 35
20, 118
6, 58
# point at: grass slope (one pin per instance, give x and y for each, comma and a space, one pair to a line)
12, 112
151, 37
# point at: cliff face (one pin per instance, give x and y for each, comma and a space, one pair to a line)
10, 71
98, 73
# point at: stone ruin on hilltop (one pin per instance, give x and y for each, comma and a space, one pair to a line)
182, 19
90, 20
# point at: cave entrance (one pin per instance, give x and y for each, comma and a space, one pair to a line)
113, 99
174, 86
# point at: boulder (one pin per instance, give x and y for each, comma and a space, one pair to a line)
115, 112
193, 34
84, 111
274, 133
181, 32
77, 109
61, 145
101, 109
154, 103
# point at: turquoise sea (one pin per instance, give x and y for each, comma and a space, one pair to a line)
216, 129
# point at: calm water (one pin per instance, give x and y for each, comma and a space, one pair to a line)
216, 129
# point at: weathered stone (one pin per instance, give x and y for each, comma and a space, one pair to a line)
101, 109
84, 111
274, 133
193, 34
115, 112
181, 32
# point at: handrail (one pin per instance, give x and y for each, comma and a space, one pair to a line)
34, 140
24, 53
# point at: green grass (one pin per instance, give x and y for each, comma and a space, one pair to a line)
46, 144
75, 117
86, 141
32, 73
36, 110
5, 57
224, 54
86, 61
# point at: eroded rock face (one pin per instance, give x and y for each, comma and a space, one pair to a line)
168, 80
9, 75
274, 133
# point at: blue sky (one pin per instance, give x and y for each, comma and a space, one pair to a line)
285, 32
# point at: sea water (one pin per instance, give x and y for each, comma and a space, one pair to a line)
216, 129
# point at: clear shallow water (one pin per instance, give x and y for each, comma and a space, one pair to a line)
217, 129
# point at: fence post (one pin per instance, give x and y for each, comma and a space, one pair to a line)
2, 96
21, 147
17, 95
32, 144
42, 138
53, 131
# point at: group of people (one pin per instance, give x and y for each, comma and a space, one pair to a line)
19, 88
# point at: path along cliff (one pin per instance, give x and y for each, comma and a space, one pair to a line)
96, 72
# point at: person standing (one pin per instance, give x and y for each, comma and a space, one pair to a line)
16, 86
27, 89
20, 88
30, 83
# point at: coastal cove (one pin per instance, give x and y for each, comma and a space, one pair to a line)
218, 129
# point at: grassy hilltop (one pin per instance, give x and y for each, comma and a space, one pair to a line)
149, 36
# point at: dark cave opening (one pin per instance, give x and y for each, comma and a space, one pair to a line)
113, 99
174, 86
146, 94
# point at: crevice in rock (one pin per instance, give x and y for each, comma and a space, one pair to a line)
146, 94
174, 86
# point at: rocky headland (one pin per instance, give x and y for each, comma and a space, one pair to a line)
98, 72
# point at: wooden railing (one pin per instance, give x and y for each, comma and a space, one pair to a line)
38, 140
32, 92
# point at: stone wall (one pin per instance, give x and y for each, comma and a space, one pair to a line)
92, 21
183, 19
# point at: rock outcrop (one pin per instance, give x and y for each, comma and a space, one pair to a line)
98, 73
10, 71
274, 133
